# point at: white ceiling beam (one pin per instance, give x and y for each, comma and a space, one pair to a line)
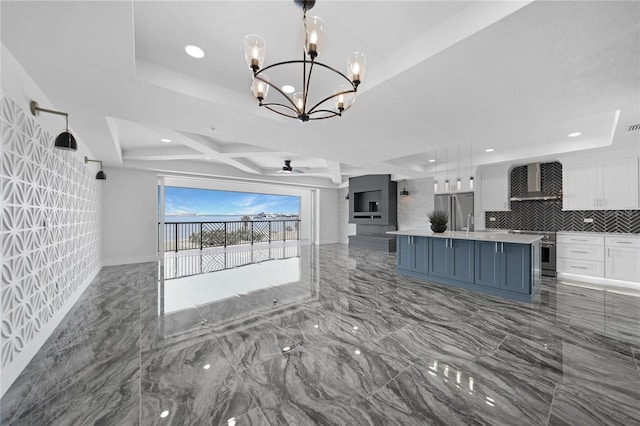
333, 167
162, 154
113, 130
209, 148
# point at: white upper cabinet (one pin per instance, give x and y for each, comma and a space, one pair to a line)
495, 188
620, 184
601, 185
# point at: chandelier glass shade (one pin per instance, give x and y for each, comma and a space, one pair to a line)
309, 102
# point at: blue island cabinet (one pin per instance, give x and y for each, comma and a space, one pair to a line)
412, 254
452, 259
506, 266
505, 269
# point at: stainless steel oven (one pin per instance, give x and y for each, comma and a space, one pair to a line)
547, 251
548, 258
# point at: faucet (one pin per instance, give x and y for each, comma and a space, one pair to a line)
469, 219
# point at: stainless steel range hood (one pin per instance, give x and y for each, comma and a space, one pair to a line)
534, 189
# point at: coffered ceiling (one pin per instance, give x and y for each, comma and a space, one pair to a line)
445, 80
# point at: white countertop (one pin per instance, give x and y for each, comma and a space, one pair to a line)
476, 236
604, 234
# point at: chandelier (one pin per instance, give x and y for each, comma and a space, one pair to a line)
302, 106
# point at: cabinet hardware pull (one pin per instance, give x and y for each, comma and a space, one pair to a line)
608, 252
577, 251
575, 239
624, 242
496, 247
579, 267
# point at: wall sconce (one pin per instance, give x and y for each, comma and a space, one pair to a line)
64, 140
346, 197
404, 192
100, 175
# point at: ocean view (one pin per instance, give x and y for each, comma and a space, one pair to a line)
222, 218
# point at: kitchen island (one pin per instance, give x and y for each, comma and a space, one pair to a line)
500, 264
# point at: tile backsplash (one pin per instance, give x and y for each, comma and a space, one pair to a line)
549, 216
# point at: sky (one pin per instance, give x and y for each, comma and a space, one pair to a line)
205, 201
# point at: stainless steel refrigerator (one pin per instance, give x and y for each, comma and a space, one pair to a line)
460, 209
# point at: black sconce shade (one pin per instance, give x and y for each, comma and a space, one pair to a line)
404, 192
65, 140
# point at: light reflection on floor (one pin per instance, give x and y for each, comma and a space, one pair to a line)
219, 286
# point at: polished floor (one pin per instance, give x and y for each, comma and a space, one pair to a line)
328, 336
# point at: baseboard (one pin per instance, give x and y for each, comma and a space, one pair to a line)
600, 283
130, 260
21, 361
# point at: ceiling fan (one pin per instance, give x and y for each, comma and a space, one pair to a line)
288, 168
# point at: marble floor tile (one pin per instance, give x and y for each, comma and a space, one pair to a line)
458, 391
349, 342
455, 339
636, 356
585, 403
298, 389
259, 341
191, 382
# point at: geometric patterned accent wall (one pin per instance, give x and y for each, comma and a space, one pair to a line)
549, 216
41, 266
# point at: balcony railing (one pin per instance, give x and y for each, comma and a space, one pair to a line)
203, 263
199, 235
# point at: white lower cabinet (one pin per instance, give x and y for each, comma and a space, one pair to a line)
581, 267
614, 257
622, 260
580, 254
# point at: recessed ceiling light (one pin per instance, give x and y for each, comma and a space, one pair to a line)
433, 160
207, 366
164, 414
208, 158
489, 150
194, 51
165, 140
288, 89
573, 135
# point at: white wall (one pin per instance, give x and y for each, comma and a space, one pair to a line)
130, 218
328, 216
344, 227
413, 208
50, 233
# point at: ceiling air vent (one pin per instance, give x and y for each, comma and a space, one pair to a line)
634, 127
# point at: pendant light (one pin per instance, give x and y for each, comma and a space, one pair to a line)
446, 182
471, 166
458, 181
435, 175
